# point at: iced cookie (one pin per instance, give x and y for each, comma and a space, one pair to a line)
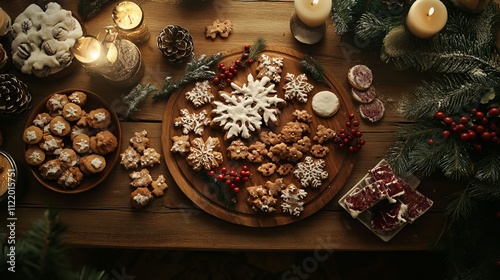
81, 143
78, 97
59, 126
325, 104
70, 178
34, 156
72, 112
99, 118
92, 164
103, 143
140, 197
32, 135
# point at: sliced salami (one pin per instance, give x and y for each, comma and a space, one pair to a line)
364, 96
360, 77
372, 111
417, 203
388, 216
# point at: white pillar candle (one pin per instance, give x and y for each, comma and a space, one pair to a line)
313, 13
87, 50
129, 20
426, 18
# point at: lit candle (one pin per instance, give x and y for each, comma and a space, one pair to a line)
87, 50
426, 18
313, 13
129, 20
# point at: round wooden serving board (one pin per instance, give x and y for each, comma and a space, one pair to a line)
339, 163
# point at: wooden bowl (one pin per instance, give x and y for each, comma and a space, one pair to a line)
94, 101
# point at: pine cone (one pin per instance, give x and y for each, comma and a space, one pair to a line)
15, 98
175, 43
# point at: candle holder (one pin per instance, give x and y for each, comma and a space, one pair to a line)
130, 23
117, 60
304, 33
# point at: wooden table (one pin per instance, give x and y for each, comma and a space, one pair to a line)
103, 216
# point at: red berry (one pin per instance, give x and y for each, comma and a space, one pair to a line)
250, 61
359, 134
351, 116
237, 179
236, 190
446, 133
472, 134
244, 168
352, 149
453, 124
228, 182
232, 186
222, 76
486, 136
237, 62
216, 80
232, 173
228, 80
430, 141
479, 115
464, 136
247, 48
464, 120
361, 142
479, 129
477, 147
460, 127
245, 179
355, 123
484, 121
493, 127
348, 123
346, 141
448, 120
473, 111
220, 177
221, 65
244, 56
223, 170
494, 112
439, 115
211, 173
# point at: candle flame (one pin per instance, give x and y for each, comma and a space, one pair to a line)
431, 12
314, 2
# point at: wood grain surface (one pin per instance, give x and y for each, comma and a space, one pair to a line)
103, 216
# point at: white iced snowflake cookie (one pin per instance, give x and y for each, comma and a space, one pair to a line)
325, 104
192, 121
43, 39
200, 94
205, 154
247, 107
270, 67
293, 200
311, 172
297, 87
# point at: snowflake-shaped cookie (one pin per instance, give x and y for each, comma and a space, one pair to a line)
293, 200
270, 67
297, 87
311, 172
243, 111
192, 122
200, 94
204, 154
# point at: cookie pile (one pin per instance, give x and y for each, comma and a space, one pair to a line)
360, 77
138, 155
249, 117
66, 142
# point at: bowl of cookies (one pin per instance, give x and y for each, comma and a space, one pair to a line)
72, 141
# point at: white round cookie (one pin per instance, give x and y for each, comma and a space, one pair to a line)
325, 104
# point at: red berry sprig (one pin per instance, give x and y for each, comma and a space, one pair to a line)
227, 74
234, 180
479, 128
350, 137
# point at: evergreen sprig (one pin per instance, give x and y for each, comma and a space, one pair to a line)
221, 191
136, 96
313, 68
197, 69
41, 254
257, 47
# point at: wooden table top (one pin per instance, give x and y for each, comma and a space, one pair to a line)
103, 216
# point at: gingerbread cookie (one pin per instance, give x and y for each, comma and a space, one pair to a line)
81, 144
72, 112
256, 152
159, 186
201, 94
42, 120
319, 151
103, 143
297, 87
180, 144
223, 28
302, 116
59, 126
70, 178
140, 178
32, 135
77, 97
130, 158
291, 132
92, 164
269, 138
278, 152
270, 67
56, 102
194, 122
51, 169
34, 156
68, 157
303, 145
237, 150
293, 154
293, 200
140, 197
50, 144
98, 118
78, 130
324, 134
205, 154
267, 169
140, 141
285, 169
150, 157
311, 172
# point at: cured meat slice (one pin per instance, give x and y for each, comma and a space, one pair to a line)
365, 197
382, 172
417, 203
388, 216
360, 77
372, 111
364, 96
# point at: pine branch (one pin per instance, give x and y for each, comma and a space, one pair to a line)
487, 168
136, 96
455, 161
195, 70
313, 68
221, 191
343, 14
258, 46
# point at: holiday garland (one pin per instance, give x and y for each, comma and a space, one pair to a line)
455, 117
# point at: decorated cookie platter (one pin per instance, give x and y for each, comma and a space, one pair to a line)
241, 181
